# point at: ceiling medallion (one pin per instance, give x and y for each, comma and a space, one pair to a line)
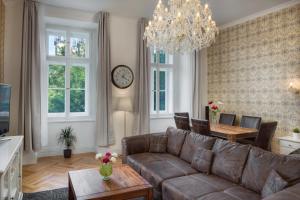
182, 26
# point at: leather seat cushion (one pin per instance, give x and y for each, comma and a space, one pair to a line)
170, 167
137, 161
233, 193
261, 162
193, 186
229, 159
192, 142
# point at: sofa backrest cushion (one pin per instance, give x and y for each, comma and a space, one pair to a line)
202, 160
175, 140
158, 143
229, 159
261, 162
192, 142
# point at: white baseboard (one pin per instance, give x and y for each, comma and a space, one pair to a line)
29, 158
57, 151
110, 149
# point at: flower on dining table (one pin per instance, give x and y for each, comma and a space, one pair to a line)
215, 107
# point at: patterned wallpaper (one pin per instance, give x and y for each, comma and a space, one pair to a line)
251, 65
1, 40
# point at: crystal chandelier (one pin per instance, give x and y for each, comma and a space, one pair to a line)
182, 26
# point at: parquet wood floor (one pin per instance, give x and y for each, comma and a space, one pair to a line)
52, 172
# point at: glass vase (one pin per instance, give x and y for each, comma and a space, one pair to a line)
214, 119
106, 171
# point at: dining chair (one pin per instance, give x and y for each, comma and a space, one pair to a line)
250, 122
182, 122
201, 126
228, 119
264, 137
182, 114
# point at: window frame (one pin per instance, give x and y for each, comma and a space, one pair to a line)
69, 61
169, 98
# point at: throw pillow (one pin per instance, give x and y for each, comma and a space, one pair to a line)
274, 183
202, 160
158, 144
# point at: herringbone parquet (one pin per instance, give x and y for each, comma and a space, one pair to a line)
52, 172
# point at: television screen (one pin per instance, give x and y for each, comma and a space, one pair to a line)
4, 108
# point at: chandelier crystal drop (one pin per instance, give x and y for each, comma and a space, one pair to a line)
182, 26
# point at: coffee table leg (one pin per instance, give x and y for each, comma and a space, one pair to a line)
71, 194
150, 197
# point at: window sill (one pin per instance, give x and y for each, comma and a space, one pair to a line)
66, 120
169, 116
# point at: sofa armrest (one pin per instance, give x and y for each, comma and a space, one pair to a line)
289, 193
134, 144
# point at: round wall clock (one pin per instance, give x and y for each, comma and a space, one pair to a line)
122, 76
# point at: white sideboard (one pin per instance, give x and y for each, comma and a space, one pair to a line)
11, 168
288, 144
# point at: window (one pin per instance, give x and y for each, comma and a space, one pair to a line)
68, 62
161, 83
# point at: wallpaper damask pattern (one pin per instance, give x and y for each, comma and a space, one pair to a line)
251, 65
1, 40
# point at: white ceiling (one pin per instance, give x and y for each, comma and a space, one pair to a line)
224, 11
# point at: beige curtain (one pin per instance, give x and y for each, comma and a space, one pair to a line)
199, 98
142, 83
2, 25
30, 93
105, 135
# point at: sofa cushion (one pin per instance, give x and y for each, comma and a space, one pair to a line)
289, 193
192, 142
193, 186
158, 143
158, 171
137, 161
229, 159
202, 160
232, 193
261, 162
274, 184
175, 140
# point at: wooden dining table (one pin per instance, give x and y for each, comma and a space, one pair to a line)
232, 133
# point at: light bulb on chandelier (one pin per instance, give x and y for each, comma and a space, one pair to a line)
182, 26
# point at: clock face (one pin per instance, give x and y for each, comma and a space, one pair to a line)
122, 76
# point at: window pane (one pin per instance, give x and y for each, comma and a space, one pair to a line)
162, 100
56, 100
154, 101
154, 81
162, 80
162, 57
79, 46
77, 100
56, 45
56, 76
77, 77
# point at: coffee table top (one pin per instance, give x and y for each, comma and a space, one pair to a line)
88, 183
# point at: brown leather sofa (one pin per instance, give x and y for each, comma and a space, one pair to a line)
238, 172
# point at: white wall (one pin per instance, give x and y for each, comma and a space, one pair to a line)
124, 51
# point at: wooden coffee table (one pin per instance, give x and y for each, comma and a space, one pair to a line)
124, 183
